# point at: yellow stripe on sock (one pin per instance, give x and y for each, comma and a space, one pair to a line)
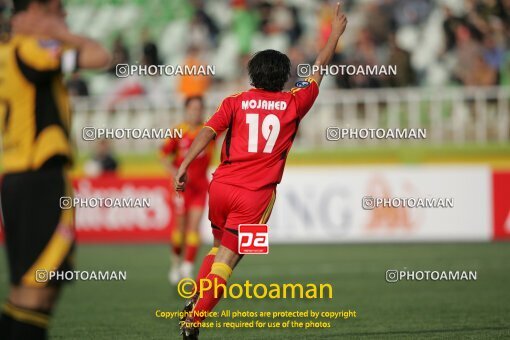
176, 238
213, 251
192, 238
27, 316
222, 270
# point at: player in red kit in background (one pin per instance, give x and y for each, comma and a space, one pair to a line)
190, 205
261, 125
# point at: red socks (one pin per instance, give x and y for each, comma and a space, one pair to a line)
191, 244
207, 263
176, 241
220, 272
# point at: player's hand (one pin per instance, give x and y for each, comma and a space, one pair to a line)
180, 179
51, 26
339, 21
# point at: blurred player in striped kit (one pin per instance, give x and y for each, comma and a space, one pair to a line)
36, 155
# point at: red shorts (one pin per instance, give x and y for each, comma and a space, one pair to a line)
192, 197
230, 206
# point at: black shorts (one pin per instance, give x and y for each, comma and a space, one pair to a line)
39, 235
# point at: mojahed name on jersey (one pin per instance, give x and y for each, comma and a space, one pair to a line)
263, 104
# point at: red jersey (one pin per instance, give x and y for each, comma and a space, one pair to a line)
178, 147
261, 129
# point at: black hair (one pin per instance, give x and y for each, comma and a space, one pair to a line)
269, 70
192, 98
22, 5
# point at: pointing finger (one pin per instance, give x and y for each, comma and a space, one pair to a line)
337, 12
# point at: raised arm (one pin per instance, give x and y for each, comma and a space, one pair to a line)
204, 137
92, 55
326, 54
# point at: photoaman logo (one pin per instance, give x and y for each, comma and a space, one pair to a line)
253, 239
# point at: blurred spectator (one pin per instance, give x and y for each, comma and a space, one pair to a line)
467, 53
203, 30
193, 85
450, 25
324, 24
266, 23
364, 53
476, 16
103, 162
503, 11
76, 85
278, 18
129, 88
473, 66
296, 57
120, 54
380, 23
150, 53
483, 74
402, 59
471, 29
493, 54
244, 25
294, 27
410, 12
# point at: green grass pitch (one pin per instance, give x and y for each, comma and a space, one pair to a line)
404, 310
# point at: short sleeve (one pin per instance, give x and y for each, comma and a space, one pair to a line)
305, 95
168, 148
221, 119
39, 59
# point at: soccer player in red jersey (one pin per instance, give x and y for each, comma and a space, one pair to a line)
261, 124
190, 205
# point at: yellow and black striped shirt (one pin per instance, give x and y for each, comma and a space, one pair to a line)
34, 105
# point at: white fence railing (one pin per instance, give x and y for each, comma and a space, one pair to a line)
449, 115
